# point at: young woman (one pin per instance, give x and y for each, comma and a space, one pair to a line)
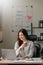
23, 47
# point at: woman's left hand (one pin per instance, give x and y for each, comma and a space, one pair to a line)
24, 58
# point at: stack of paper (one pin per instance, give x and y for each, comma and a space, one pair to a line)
30, 60
34, 60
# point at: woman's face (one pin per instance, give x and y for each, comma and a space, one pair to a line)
21, 36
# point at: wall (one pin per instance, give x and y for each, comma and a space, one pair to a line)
37, 15
9, 8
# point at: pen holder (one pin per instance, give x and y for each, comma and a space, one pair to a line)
41, 23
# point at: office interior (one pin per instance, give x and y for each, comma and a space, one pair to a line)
11, 11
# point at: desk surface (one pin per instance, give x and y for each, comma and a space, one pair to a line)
19, 62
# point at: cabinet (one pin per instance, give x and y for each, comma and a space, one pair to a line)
39, 38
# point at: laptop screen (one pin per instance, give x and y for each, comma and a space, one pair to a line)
8, 54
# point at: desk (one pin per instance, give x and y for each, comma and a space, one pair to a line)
19, 62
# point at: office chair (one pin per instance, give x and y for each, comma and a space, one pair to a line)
37, 50
42, 53
37, 46
32, 37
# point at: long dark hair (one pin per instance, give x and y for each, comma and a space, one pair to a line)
24, 31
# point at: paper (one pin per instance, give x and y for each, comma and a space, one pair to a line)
30, 60
34, 60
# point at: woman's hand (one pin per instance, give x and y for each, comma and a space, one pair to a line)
22, 46
24, 57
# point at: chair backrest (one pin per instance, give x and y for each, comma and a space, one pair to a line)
42, 53
37, 50
32, 37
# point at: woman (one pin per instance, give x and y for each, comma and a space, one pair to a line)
23, 47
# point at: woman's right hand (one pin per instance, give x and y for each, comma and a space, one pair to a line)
22, 46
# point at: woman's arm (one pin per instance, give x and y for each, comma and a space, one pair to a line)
30, 49
18, 49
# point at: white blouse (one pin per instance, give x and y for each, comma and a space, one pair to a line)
26, 51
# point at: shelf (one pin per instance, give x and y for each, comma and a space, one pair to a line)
37, 27
40, 40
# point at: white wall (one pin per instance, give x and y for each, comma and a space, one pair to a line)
37, 15
8, 17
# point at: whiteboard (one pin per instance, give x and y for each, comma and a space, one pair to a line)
21, 18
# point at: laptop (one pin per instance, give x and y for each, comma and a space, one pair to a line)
8, 54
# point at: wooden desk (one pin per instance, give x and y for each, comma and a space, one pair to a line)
19, 62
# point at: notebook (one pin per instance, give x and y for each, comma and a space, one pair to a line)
9, 54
